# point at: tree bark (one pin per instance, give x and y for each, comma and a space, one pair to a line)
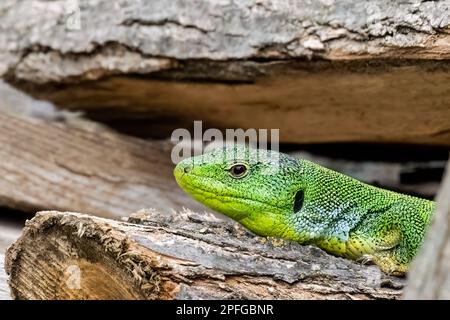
429, 277
177, 256
324, 71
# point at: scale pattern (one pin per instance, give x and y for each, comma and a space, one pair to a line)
337, 213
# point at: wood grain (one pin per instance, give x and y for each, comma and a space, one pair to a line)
311, 102
321, 71
83, 166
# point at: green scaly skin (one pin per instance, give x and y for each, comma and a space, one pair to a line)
298, 200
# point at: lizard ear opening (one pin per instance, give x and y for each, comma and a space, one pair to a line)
298, 201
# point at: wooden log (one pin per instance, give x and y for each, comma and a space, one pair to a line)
323, 71
59, 160
4, 288
180, 255
429, 277
79, 165
9, 232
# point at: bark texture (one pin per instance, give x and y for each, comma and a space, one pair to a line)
320, 70
177, 256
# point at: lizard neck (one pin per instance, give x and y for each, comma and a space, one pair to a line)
334, 206
337, 207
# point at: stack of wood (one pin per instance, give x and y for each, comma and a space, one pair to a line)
323, 72
180, 255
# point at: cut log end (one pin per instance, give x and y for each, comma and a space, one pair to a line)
63, 257
177, 256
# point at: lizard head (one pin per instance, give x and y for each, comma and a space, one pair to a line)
255, 187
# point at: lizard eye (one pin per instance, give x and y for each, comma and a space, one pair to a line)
238, 170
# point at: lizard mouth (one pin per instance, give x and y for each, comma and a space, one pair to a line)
198, 190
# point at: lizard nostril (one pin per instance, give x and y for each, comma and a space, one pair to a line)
187, 168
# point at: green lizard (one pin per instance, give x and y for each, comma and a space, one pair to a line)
273, 194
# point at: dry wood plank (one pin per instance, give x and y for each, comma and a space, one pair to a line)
429, 277
79, 165
323, 71
181, 255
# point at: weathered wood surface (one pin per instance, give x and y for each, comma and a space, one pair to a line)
9, 232
79, 165
181, 255
429, 277
4, 288
320, 70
